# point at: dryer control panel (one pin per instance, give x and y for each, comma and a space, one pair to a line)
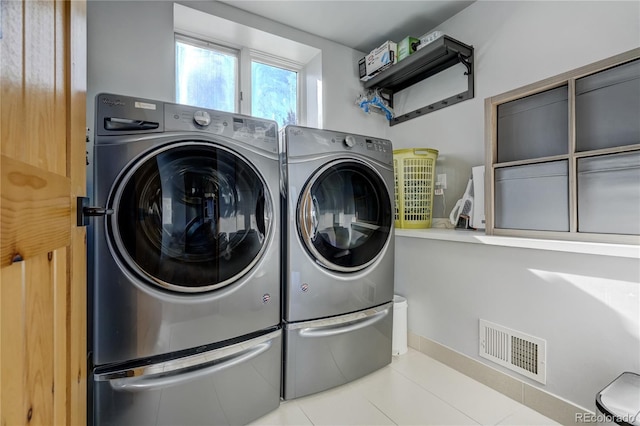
305, 141
378, 145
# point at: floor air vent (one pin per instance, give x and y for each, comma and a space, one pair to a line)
517, 351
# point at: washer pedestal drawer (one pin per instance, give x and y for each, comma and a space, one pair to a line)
233, 385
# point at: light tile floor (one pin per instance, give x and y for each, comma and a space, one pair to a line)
413, 390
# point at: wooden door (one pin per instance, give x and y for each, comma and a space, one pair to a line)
43, 252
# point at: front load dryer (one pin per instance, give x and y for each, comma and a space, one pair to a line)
184, 264
339, 261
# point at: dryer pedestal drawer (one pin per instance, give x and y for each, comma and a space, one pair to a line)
325, 353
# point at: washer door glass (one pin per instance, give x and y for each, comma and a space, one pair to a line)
344, 216
191, 217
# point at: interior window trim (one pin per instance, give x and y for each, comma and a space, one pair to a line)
573, 155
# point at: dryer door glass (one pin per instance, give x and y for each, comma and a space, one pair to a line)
345, 216
191, 218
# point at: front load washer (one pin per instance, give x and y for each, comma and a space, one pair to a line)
339, 262
184, 265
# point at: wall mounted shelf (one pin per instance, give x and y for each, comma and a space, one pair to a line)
435, 57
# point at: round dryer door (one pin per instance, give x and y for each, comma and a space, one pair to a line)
344, 216
190, 217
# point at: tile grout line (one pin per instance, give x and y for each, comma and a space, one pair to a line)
437, 396
506, 417
304, 412
382, 412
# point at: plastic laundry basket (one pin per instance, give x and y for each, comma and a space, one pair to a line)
414, 171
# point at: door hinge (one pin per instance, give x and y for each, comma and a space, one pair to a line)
85, 211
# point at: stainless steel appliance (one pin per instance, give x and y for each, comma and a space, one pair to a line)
184, 294
339, 262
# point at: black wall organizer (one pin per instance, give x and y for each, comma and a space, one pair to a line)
435, 57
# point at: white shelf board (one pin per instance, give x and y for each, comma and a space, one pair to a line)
478, 237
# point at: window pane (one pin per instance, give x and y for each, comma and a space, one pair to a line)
535, 126
274, 93
206, 77
608, 107
609, 194
533, 196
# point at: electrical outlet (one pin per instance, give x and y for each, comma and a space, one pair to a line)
439, 191
442, 181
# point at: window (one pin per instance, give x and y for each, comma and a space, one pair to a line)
564, 155
209, 75
206, 75
274, 93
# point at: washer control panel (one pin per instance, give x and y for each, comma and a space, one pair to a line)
201, 118
256, 131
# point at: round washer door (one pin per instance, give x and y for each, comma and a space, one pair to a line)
344, 216
190, 217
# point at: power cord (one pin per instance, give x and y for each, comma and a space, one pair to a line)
439, 190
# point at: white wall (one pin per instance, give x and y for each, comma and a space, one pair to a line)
131, 52
516, 43
587, 307
129, 44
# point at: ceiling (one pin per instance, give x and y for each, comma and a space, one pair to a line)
362, 24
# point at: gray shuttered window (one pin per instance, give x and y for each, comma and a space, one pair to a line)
534, 197
609, 194
533, 127
608, 108
564, 155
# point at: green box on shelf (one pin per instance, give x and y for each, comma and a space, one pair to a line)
406, 47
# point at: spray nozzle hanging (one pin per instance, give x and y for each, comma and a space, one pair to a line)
373, 101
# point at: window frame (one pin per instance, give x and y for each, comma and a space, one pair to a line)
573, 155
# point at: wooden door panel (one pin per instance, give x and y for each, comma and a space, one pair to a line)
40, 70
12, 72
13, 346
38, 315
77, 319
35, 114
33, 363
36, 207
61, 325
42, 252
76, 91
